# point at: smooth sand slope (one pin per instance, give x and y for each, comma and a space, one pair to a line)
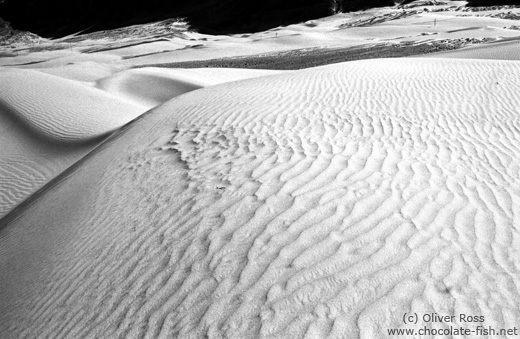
46, 124
149, 87
322, 203
61, 109
52, 117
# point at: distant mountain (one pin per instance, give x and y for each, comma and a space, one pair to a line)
55, 18
8, 35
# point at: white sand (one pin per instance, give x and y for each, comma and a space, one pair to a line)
504, 50
149, 87
319, 203
28, 161
52, 117
306, 204
62, 109
46, 124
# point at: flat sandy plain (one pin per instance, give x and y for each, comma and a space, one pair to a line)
154, 185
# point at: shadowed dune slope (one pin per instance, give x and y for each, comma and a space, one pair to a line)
48, 121
46, 124
19, 177
149, 87
145, 89
61, 109
322, 203
28, 161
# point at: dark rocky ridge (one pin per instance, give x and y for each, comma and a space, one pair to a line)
56, 18
8, 35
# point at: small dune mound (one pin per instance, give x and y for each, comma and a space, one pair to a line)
61, 109
150, 86
147, 87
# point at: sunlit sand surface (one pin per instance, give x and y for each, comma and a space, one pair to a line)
235, 203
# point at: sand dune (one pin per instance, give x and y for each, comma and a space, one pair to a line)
447, 22
61, 109
28, 160
54, 116
149, 87
86, 72
48, 123
19, 177
504, 50
322, 203
146, 88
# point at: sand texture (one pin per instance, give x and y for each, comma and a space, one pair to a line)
149, 87
51, 117
502, 50
48, 123
62, 109
215, 202
322, 203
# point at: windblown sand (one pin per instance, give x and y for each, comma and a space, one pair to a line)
502, 50
236, 203
52, 118
48, 123
322, 203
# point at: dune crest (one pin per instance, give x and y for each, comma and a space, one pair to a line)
61, 109
49, 119
322, 203
149, 87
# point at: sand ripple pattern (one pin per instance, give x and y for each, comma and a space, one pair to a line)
319, 204
19, 177
61, 109
147, 87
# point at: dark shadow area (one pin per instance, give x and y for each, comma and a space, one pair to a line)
486, 3
300, 59
58, 18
